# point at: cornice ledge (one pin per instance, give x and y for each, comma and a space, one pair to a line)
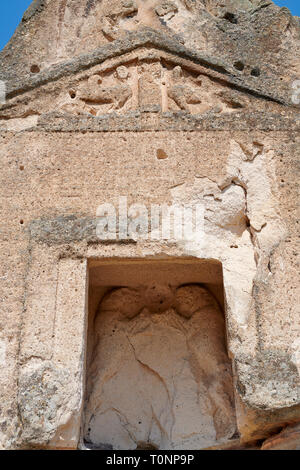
264, 87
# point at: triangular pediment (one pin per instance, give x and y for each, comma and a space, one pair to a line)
149, 73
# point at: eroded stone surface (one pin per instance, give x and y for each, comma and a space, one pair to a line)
249, 32
144, 80
287, 439
167, 102
159, 375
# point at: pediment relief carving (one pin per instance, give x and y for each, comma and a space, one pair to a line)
151, 86
145, 80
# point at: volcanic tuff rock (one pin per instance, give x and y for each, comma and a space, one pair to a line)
160, 375
169, 103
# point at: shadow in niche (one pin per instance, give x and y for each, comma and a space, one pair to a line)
91, 446
145, 446
158, 374
140, 446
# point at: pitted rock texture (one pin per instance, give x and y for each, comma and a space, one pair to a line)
132, 56
174, 102
256, 37
287, 439
159, 375
147, 79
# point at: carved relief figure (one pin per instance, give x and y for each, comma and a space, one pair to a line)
181, 93
94, 92
159, 376
149, 86
202, 93
150, 96
117, 94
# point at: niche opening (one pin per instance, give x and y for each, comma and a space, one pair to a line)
158, 374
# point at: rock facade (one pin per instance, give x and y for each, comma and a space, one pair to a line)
166, 103
160, 374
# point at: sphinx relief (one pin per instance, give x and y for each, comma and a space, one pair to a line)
95, 92
150, 86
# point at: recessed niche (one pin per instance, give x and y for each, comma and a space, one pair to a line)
158, 374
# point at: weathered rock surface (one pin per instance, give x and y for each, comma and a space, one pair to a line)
159, 375
255, 35
171, 103
287, 439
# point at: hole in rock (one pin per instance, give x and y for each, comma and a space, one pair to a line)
239, 65
230, 17
255, 72
163, 380
161, 154
34, 69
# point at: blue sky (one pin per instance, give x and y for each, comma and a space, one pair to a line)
12, 11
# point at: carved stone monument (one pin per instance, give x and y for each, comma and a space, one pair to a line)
117, 115
159, 374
